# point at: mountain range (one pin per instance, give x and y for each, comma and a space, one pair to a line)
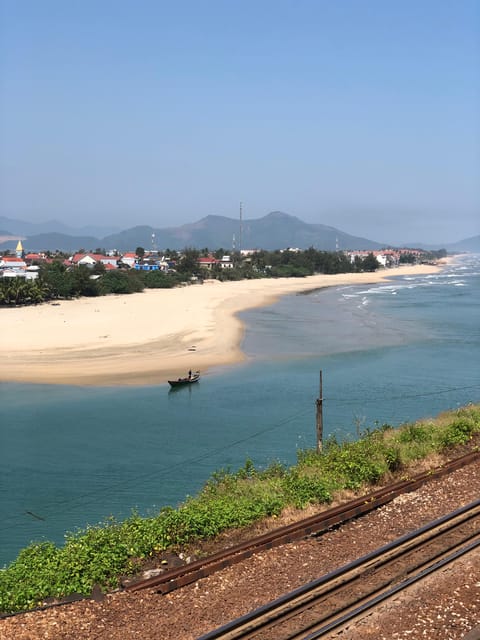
277, 230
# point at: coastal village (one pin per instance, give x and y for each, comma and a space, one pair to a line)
24, 264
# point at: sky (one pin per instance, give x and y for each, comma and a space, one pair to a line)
359, 114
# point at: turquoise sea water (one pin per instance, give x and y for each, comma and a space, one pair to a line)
389, 352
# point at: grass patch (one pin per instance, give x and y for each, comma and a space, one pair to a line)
229, 500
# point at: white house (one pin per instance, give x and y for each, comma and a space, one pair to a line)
225, 262
91, 259
13, 263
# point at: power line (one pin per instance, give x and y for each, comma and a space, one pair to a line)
80, 502
402, 397
94, 494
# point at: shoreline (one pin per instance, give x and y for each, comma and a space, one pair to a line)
146, 338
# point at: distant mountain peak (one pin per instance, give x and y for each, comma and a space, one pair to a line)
279, 215
276, 230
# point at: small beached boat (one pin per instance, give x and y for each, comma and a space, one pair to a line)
190, 379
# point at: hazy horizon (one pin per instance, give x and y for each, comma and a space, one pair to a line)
362, 116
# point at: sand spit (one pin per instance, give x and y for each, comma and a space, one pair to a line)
147, 338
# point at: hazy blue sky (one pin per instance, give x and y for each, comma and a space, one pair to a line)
360, 114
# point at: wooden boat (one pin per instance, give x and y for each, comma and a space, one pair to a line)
190, 379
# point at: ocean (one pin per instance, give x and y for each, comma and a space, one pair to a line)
389, 353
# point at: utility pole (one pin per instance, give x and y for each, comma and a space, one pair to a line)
319, 404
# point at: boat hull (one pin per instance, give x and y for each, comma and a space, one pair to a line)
182, 382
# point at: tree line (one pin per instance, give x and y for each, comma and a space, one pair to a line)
56, 281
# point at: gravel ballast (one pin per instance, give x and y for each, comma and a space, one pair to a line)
446, 606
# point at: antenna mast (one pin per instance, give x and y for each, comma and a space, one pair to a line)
241, 229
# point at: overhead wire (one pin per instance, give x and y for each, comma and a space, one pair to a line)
82, 500
139, 479
401, 397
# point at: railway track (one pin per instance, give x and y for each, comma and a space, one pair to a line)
314, 525
176, 578
330, 602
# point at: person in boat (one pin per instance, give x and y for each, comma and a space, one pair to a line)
190, 374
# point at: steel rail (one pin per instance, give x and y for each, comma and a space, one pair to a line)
401, 586
419, 569
314, 525
351, 577
189, 573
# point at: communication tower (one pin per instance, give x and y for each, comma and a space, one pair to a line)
241, 228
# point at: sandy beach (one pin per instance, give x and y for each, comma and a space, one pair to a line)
146, 338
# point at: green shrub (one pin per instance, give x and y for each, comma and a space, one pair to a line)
301, 490
414, 433
119, 282
357, 463
309, 457
160, 280
459, 432
28, 580
393, 458
198, 519
274, 470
